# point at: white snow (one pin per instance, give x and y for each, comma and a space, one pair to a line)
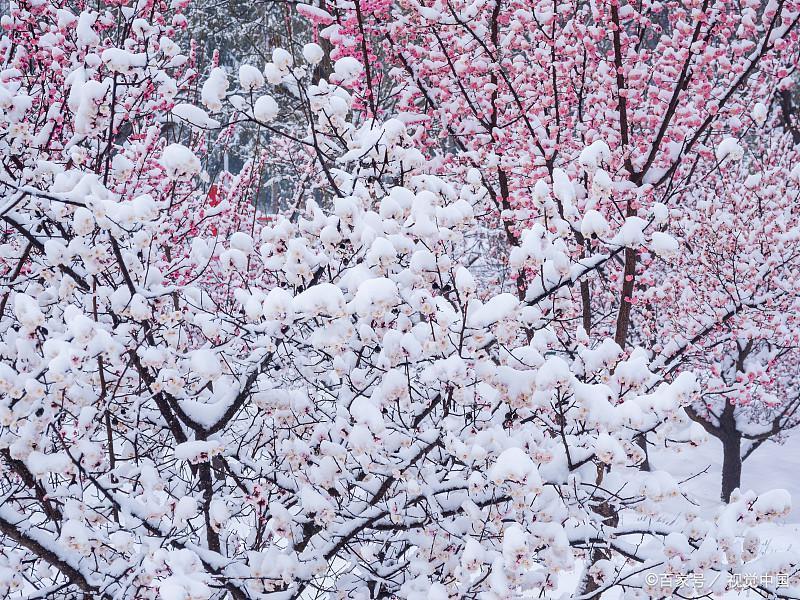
242, 241
515, 543
214, 89
601, 184
194, 115
664, 245
595, 155
562, 187
122, 61
122, 165
773, 504
197, 450
41, 464
265, 109
313, 53
631, 234
465, 282
365, 411
27, 311
375, 297
496, 309
315, 14
594, 223
660, 213
282, 59
729, 149
609, 450
206, 363
179, 162
278, 305
323, 299
85, 32
347, 69
185, 509
250, 78
514, 465
273, 74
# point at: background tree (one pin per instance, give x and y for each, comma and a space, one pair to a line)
731, 312
619, 108
199, 403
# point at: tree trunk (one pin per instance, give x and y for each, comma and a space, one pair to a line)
610, 517
731, 463
588, 585
641, 441
731, 439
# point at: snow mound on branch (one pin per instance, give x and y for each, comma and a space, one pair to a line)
346, 69
365, 411
273, 74
664, 245
502, 306
729, 149
465, 282
594, 223
594, 155
601, 184
27, 311
250, 78
86, 35
206, 364
43, 464
759, 113
265, 109
515, 543
313, 53
282, 59
631, 234
186, 580
375, 297
179, 162
194, 115
198, 450
514, 465
563, 189
185, 510
322, 299
315, 14
773, 504
122, 61
609, 450
278, 305
214, 89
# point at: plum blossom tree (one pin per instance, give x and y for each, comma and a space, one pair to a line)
198, 403
735, 322
626, 111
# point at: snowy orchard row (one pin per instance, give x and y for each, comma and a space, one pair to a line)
345, 399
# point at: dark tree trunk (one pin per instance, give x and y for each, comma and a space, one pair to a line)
731, 439
589, 587
641, 441
731, 463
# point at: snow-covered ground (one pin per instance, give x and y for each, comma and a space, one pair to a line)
771, 466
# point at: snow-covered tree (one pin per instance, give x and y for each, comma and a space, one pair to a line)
729, 308
196, 402
611, 122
